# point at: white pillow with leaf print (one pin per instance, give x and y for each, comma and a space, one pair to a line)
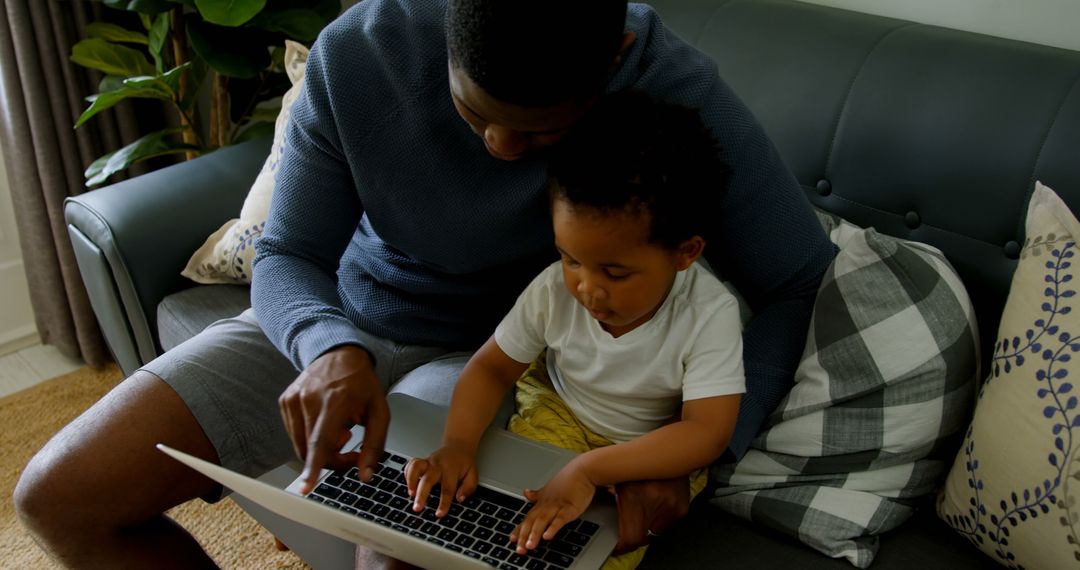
1014, 488
226, 255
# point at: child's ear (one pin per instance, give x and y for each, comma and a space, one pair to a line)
688, 252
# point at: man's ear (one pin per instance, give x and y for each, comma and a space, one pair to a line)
688, 252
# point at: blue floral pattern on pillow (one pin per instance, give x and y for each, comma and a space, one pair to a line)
1012, 489
245, 242
1051, 347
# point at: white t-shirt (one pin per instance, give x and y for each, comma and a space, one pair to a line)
624, 387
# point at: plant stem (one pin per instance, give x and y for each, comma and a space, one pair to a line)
180, 55
189, 134
219, 111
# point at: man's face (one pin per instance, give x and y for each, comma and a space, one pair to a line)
511, 131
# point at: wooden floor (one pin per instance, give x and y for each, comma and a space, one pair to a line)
29, 366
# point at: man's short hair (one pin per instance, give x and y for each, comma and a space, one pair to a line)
632, 153
536, 53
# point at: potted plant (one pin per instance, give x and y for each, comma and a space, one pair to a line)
173, 48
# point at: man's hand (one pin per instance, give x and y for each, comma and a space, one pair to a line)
338, 389
452, 467
562, 500
649, 507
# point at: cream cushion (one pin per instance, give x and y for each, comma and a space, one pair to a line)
226, 255
1013, 489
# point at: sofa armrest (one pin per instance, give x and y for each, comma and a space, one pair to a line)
132, 239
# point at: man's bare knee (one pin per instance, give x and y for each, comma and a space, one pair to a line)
31, 498
101, 473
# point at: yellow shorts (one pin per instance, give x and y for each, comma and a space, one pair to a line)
542, 416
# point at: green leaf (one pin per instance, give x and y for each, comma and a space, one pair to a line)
110, 83
171, 78
232, 52
266, 112
149, 146
301, 25
277, 59
141, 6
197, 74
159, 39
113, 59
133, 87
114, 33
230, 13
255, 130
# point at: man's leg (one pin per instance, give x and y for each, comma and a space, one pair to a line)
95, 494
435, 381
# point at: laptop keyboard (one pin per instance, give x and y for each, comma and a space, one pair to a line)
478, 527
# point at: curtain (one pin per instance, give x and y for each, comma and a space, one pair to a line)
41, 96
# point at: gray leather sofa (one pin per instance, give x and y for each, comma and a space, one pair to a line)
925, 133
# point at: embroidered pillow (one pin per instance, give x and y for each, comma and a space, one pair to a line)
1014, 489
887, 375
226, 255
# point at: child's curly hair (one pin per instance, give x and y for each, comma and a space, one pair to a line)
637, 154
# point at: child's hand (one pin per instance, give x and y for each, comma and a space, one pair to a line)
453, 467
562, 500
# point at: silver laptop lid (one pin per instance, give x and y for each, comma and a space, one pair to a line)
506, 462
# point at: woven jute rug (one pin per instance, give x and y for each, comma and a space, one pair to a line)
29, 418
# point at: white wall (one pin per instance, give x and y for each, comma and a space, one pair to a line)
17, 328
1048, 22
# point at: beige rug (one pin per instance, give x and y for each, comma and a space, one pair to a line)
29, 418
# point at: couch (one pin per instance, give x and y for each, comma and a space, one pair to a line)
921, 132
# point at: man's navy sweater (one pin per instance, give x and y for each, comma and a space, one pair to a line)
390, 216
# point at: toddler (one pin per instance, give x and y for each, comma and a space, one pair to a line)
643, 369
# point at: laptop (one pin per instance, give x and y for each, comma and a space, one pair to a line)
379, 514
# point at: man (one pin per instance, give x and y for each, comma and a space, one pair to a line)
409, 212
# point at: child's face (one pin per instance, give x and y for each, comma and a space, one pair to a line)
611, 267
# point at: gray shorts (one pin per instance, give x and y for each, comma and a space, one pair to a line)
230, 376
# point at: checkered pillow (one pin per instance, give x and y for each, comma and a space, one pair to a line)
886, 378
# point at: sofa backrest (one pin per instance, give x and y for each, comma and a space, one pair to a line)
921, 132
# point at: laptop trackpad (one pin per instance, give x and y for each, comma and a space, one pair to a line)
505, 460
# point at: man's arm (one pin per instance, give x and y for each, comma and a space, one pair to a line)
314, 212
775, 253
766, 239
338, 389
